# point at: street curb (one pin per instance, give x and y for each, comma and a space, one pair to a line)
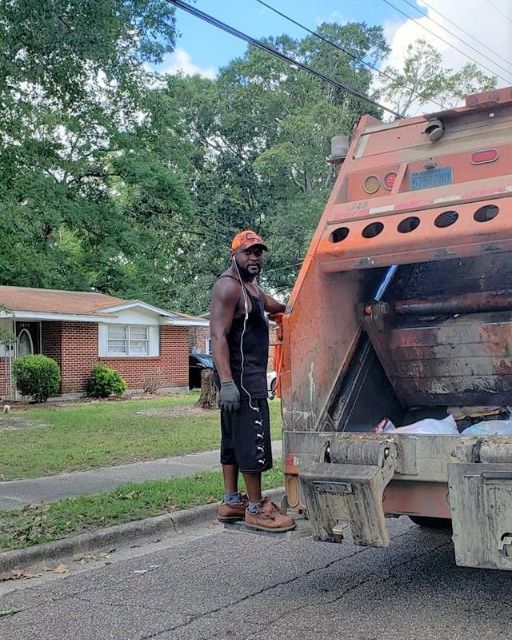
19, 559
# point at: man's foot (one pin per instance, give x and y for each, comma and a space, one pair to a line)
232, 512
269, 518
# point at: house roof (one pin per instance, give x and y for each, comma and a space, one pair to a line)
54, 304
55, 301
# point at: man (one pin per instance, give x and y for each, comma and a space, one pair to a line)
239, 332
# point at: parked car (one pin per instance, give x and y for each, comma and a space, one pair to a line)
197, 362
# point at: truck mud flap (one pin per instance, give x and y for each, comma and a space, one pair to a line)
348, 490
480, 497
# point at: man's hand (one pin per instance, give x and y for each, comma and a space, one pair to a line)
276, 317
229, 397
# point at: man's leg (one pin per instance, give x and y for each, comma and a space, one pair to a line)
233, 505
253, 486
230, 473
255, 452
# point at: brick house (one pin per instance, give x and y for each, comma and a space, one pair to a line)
147, 345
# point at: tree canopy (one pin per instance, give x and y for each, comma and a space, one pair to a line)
73, 89
117, 180
424, 79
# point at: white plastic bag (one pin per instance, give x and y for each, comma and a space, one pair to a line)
490, 428
429, 426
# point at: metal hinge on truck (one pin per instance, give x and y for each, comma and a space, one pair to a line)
480, 496
348, 489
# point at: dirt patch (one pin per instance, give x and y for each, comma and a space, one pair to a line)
11, 423
175, 412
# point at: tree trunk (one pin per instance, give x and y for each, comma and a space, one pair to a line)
208, 397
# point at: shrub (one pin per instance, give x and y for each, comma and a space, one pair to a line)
105, 381
37, 376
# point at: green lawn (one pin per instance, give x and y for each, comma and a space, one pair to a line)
95, 434
43, 523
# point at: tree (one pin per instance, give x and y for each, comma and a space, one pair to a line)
113, 179
73, 89
424, 79
208, 398
261, 134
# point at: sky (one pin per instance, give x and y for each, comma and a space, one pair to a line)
481, 30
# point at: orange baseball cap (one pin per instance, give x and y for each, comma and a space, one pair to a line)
246, 239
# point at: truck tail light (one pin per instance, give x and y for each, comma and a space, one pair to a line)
481, 157
389, 180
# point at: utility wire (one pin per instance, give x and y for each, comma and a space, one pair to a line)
482, 44
467, 44
348, 53
265, 47
499, 10
390, 4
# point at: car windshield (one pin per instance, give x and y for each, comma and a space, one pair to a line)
205, 359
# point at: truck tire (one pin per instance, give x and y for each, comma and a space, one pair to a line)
432, 523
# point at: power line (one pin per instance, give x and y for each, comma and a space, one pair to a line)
390, 4
348, 53
499, 10
265, 47
482, 44
456, 36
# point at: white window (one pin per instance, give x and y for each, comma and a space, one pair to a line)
208, 345
128, 340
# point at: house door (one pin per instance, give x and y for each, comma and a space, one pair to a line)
28, 341
25, 343
28, 335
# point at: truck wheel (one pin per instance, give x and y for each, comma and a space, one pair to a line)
432, 523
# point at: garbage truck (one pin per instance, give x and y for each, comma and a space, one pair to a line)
402, 313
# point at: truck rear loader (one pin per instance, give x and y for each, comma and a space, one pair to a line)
402, 310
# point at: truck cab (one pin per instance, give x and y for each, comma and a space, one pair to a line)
402, 311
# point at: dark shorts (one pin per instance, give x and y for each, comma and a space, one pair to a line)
246, 437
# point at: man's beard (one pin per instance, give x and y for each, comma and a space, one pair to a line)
247, 275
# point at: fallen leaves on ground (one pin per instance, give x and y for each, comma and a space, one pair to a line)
16, 574
62, 568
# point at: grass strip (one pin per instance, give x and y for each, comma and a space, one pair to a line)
20, 528
99, 434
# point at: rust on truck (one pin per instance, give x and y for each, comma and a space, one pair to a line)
403, 309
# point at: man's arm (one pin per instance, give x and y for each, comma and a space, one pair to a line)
224, 302
272, 305
225, 296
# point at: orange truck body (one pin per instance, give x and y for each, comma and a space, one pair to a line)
403, 310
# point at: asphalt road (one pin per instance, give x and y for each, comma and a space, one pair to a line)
209, 584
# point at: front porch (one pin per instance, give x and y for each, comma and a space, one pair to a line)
18, 337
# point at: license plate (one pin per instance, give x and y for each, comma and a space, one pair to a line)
431, 178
